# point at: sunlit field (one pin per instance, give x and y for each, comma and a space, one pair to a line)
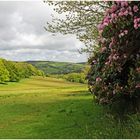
53, 108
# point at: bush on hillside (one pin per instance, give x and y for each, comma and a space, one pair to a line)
73, 77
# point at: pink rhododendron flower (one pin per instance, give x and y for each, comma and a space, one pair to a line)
100, 27
121, 34
136, 26
129, 9
113, 15
135, 8
121, 14
138, 69
123, 9
130, 13
113, 8
125, 13
126, 31
98, 79
110, 45
103, 49
137, 86
124, 3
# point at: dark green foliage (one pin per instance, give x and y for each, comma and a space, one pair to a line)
14, 71
49, 67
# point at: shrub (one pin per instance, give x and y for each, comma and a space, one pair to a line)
114, 76
73, 77
76, 77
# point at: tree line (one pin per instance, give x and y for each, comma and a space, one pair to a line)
15, 71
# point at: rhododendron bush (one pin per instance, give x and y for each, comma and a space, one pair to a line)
115, 66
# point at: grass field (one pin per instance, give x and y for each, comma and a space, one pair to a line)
52, 108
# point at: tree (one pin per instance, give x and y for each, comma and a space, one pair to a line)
81, 18
114, 77
4, 74
12, 69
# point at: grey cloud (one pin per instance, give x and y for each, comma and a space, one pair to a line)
22, 36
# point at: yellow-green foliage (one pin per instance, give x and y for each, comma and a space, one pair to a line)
4, 73
72, 77
14, 71
76, 77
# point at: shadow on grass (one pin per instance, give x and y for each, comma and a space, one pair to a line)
3, 83
81, 119
73, 118
78, 93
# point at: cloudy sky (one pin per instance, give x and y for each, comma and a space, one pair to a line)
22, 36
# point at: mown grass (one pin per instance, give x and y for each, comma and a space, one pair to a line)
52, 108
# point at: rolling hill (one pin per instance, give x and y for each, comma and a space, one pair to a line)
50, 67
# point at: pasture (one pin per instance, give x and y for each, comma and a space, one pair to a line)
54, 108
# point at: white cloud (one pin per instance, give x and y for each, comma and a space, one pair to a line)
22, 36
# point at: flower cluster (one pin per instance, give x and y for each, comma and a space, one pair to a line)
122, 33
115, 68
136, 23
118, 10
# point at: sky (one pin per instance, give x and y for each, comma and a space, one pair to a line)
23, 37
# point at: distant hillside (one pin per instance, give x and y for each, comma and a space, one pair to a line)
50, 67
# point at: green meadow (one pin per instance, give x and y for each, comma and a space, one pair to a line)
53, 108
